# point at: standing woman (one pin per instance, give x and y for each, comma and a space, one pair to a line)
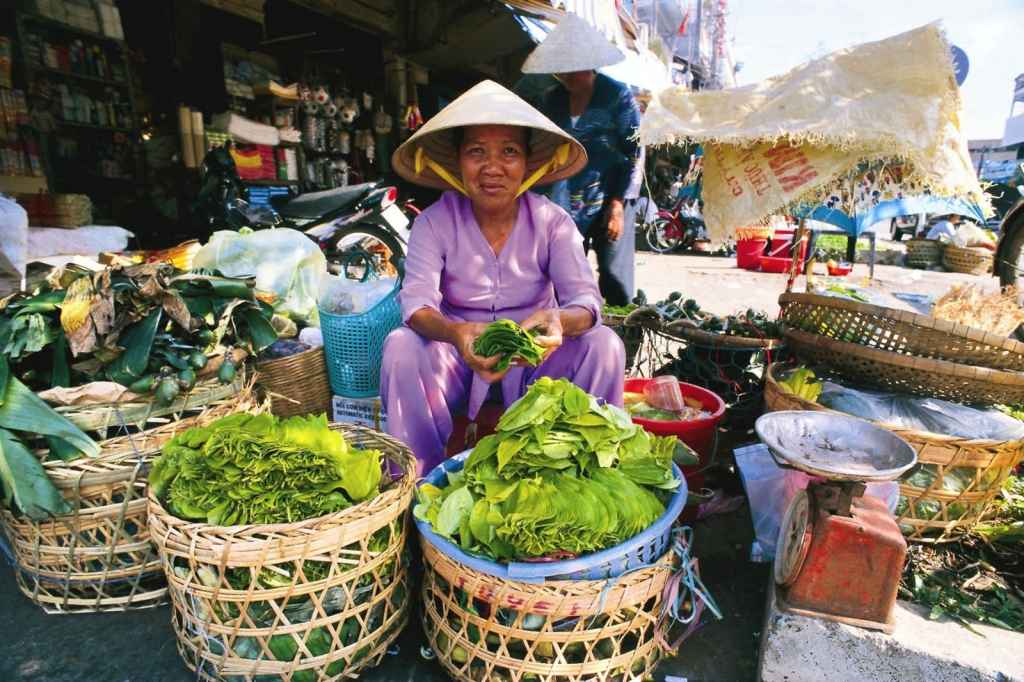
602, 114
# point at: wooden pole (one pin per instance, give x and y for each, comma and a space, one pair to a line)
796, 265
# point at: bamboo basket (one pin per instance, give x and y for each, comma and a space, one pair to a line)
900, 331
607, 630
699, 337
297, 384
924, 253
346, 602
929, 513
103, 418
907, 374
967, 261
99, 557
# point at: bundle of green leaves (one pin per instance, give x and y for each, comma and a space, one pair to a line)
562, 475
256, 469
510, 341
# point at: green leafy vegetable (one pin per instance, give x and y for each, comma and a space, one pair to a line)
802, 383
510, 341
25, 481
562, 473
248, 469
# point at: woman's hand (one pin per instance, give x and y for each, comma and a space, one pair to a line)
616, 219
549, 323
464, 335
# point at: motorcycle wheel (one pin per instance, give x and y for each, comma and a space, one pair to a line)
364, 246
658, 237
1010, 262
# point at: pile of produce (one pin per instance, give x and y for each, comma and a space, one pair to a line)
802, 383
979, 578
24, 417
619, 309
511, 342
750, 324
255, 469
562, 476
997, 312
147, 327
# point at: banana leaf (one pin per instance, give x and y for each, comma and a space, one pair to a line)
138, 344
61, 373
261, 332
25, 482
23, 410
61, 449
5, 378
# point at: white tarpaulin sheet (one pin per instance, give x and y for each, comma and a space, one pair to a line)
786, 139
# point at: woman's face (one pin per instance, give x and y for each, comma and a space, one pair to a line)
492, 159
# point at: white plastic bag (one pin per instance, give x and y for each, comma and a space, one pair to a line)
283, 261
13, 238
344, 296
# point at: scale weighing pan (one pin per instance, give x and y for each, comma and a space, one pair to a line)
836, 447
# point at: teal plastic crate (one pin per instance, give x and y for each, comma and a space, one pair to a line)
354, 346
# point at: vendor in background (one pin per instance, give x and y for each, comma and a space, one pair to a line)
944, 227
490, 250
602, 114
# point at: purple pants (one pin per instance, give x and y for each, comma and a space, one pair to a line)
423, 383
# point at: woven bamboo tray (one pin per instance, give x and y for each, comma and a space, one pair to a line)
487, 628
968, 261
924, 253
907, 374
345, 604
900, 331
297, 384
99, 557
118, 416
928, 513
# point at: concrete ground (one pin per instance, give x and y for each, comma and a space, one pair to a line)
719, 286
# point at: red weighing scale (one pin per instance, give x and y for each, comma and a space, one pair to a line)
840, 553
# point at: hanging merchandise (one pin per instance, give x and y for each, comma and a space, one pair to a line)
349, 110
382, 126
412, 119
344, 142
367, 102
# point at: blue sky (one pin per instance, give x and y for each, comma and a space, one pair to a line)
772, 37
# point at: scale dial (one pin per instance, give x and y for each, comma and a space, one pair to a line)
794, 539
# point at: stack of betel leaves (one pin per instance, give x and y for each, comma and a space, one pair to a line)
511, 342
257, 469
563, 475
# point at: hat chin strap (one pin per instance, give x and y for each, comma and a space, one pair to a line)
422, 160
557, 160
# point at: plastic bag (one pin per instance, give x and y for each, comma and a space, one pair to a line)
343, 296
770, 488
922, 414
283, 261
13, 238
970, 235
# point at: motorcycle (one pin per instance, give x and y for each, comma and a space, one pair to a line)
678, 228
357, 226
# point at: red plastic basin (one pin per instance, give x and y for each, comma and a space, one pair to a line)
839, 270
699, 434
775, 264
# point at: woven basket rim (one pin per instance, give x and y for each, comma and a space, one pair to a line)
400, 489
277, 363
711, 339
906, 317
936, 438
939, 367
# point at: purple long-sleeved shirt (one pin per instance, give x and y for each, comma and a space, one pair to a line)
452, 269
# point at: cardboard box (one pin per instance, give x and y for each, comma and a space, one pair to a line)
364, 411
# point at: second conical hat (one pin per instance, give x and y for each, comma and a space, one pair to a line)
574, 45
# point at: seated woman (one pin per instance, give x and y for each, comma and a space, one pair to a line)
487, 251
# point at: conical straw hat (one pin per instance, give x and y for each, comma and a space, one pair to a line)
574, 45
429, 158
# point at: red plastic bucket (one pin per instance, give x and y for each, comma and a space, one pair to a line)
699, 434
748, 253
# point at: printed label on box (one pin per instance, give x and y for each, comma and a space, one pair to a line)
365, 411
